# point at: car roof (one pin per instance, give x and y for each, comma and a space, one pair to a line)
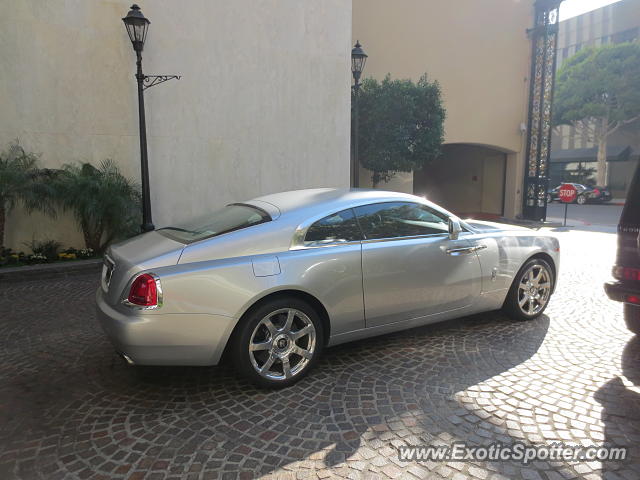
327, 199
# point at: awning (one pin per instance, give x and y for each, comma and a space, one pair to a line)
615, 153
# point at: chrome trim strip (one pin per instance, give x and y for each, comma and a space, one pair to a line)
380, 240
298, 237
297, 241
413, 237
108, 267
324, 245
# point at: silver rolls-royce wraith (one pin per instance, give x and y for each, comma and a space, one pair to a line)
272, 281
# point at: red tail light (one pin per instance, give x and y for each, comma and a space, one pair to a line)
626, 273
144, 291
633, 299
596, 191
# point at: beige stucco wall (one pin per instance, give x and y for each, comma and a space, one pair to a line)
262, 106
478, 51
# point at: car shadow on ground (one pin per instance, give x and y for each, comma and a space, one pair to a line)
95, 412
620, 401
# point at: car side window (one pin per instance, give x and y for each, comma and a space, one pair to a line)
339, 227
400, 219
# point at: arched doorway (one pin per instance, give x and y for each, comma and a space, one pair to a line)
466, 179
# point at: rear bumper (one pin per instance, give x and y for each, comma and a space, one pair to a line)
618, 291
165, 339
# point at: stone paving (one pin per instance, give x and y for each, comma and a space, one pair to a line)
69, 408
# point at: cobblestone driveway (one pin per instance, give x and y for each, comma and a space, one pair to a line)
71, 409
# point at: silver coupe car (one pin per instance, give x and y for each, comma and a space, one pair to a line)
270, 282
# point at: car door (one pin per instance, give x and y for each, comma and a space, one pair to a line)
410, 266
327, 263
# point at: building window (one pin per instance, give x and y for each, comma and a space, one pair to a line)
625, 36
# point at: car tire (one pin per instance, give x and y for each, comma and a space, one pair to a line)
581, 200
632, 318
529, 294
278, 342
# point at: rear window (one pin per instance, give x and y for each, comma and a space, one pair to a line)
339, 227
631, 210
228, 219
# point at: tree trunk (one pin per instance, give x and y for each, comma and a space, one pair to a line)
91, 236
375, 179
3, 217
87, 236
601, 174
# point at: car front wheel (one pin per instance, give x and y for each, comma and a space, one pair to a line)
531, 290
581, 200
278, 342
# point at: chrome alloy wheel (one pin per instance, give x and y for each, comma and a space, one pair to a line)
282, 344
534, 289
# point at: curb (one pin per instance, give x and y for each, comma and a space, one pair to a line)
49, 270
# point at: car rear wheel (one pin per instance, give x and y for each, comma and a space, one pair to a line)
278, 342
530, 291
581, 200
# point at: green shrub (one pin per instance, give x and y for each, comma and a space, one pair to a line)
22, 182
105, 204
46, 248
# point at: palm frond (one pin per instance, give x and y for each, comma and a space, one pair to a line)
104, 202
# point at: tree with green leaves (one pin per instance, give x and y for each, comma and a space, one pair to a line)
21, 182
105, 204
597, 93
401, 125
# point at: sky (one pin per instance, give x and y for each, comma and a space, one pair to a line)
572, 8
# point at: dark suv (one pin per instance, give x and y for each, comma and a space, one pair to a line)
626, 271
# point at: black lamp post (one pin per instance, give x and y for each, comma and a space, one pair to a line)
137, 26
358, 59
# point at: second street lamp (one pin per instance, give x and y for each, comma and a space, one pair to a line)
137, 26
358, 59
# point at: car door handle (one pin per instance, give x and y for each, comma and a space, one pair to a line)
460, 251
464, 250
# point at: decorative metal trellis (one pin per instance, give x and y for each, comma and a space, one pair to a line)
544, 37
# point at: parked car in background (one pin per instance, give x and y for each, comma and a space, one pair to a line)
272, 281
586, 194
626, 287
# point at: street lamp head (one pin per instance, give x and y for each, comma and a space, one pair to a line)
358, 59
137, 26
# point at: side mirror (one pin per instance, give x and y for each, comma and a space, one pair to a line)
454, 228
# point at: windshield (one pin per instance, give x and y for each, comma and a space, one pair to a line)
228, 219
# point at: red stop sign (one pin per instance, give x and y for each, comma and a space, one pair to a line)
567, 193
